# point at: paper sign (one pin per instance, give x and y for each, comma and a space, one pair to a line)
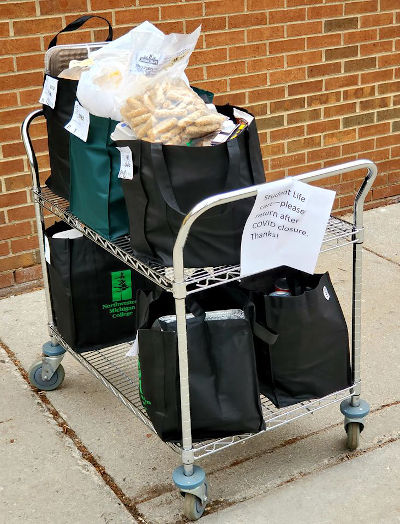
285, 227
79, 123
126, 167
49, 93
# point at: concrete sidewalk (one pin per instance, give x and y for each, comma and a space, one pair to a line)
77, 454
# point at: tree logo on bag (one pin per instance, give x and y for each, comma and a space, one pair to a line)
121, 285
326, 293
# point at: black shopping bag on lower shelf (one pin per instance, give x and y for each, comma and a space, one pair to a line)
224, 396
92, 292
310, 357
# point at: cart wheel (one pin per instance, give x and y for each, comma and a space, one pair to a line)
35, 377
193, 508
353, 435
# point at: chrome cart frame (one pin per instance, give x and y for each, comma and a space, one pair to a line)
118, 374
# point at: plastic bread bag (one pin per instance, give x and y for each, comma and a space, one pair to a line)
170, 112
99, 86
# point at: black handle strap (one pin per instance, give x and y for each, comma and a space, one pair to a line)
76, 24
163, 179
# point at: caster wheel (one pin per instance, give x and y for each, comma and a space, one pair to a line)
35, 377
193, 508
353, 435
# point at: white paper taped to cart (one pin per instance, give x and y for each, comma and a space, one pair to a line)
285, 227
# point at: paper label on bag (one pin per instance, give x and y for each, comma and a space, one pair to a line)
126, 167
49, 93
286, 227
134, 349
79, 123
46, 250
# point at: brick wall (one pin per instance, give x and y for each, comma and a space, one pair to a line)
321, 76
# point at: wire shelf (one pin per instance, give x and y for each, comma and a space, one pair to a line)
119, 374
338, 234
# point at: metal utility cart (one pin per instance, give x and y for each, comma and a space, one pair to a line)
118, 373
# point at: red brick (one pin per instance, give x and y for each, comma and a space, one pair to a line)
388, 60
377, 20
341, 81
288, 161
389, 5
289, 104
370, 77
255, 34
258, 5
37, 26
11, 46
323, 99
324, 41
389, 87
17, 81
30, 97
273, 150
303, 144
4, 249
247, 51
393, 178
215, 86
28, 274
8, 100
358, 146
24, 244
355, 8
195, 74
287, 46
285, 16
76, 37
342, 109
182, 11
30, 62
247, 20
137, 15
208, 56
17, 182
374, 130
287, 132
287, 76
355, 37
331, 68
304, 116
324, 11
338, 53
390, 140
52, 7
12, 262
305, 87
375, 103
305, 58
267, 93
264, 64
238, 99
323, 154
375, 48
12, 199
220, 7
220, 39
10, 133
6, 64
304, 29
13, 149
16, 9
384, 192
248, 81
9, 167
340, 136
323, 126
215, 23
21, 213
6, 280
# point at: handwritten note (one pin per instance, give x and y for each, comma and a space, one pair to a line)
49, 93
80, 122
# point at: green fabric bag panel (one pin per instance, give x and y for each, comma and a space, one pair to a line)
96, 192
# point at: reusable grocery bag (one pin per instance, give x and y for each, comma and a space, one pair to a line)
57, 117
308, 356
96, 192
92, 292
224, 396
169, 180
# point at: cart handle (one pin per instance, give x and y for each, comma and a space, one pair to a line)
29, 148
247, 192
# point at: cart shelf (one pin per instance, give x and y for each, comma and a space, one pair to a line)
338, 233
119, 374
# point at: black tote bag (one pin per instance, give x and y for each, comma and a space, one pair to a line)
224, 396
169, 180
93, 294
308, 356
57, 118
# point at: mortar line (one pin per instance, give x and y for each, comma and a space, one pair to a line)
86, 455
381, 256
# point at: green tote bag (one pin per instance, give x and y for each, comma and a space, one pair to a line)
96, 192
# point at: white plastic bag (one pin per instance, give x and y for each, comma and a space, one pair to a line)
99, 86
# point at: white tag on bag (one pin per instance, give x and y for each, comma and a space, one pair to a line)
126, 167
49, 93
47, 249
133, 349
79, 123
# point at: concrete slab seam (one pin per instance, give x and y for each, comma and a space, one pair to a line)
76, 441
381, 256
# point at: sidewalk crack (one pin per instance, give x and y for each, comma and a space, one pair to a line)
381, 256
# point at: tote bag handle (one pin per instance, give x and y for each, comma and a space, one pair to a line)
163, 179
76, 24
